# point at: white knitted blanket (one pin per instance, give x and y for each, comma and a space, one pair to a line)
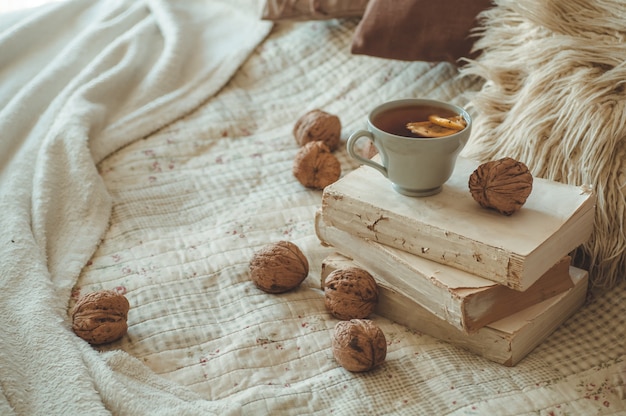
78, 81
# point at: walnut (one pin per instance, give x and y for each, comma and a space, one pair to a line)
318, 125
350, 293
315, 166
100, 317
278, 267
503, 185
359, 345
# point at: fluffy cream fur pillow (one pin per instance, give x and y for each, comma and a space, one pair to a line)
554, 97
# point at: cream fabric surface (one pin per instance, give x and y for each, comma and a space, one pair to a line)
78, 81
193, 201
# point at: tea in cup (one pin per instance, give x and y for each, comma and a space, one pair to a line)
418, 141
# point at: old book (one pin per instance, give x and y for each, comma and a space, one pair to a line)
506, 341
465, 301
452, 229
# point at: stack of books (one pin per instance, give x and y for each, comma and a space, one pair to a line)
495, 285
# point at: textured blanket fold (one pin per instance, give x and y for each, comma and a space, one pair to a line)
79, 80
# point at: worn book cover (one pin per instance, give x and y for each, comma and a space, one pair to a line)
506, 341
452, 228
465, 301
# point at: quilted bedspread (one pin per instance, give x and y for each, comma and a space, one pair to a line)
193, 201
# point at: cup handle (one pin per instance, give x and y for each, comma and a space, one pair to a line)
354, 137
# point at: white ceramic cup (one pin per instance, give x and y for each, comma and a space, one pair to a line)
415, 166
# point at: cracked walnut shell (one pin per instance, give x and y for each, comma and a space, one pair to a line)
350, 293
318, 125
100, 317
278, 267
503, 185
359, 345
315, 166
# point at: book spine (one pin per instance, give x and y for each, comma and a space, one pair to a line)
492, 345
420, 239
506, 341
394, 272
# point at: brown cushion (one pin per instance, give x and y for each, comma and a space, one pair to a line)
418, 30
312, 9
